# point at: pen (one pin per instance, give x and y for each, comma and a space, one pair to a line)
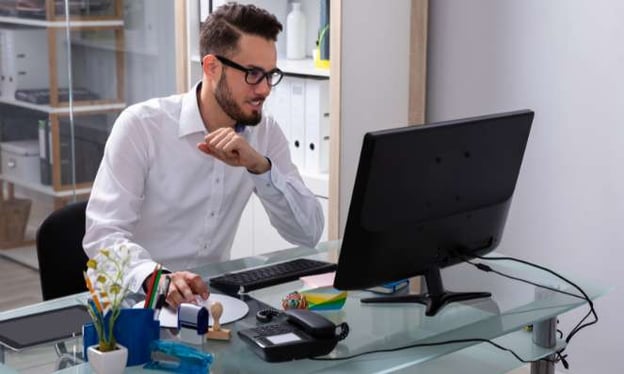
162, 296
150, 288
155, 290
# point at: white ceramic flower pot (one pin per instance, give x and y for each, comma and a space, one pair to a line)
112, 362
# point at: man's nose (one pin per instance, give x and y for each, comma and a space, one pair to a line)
263, 88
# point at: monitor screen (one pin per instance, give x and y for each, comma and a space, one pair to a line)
427, 197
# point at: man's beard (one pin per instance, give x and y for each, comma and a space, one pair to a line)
231, 108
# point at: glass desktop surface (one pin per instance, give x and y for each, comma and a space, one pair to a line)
513, 305
374, 327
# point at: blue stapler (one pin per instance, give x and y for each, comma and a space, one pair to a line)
185, 359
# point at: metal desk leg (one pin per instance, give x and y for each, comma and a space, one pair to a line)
545, 335
1, 354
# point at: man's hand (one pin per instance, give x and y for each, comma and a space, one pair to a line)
226, 145
185, 287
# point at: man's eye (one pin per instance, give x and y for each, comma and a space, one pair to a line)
255, 74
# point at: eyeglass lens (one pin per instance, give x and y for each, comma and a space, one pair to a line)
255, 76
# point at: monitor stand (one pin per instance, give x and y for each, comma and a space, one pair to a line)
434, 299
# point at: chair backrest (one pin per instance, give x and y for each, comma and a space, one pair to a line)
59, 251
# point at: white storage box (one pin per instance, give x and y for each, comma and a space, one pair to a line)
20, 159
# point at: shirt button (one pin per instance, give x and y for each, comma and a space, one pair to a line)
217, 181
268, 184
212, 214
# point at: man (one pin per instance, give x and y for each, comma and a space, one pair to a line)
178, 171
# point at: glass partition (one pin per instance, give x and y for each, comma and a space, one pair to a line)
67, 69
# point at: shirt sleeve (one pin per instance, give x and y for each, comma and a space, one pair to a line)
117, 195
292, 208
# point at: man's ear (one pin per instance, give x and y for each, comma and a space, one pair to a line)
211, 67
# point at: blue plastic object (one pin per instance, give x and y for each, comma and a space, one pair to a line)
193, 317
187, 359
135, 329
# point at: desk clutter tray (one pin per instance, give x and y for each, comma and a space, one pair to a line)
43, 327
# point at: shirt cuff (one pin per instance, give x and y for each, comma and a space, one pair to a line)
270, 183
139, 274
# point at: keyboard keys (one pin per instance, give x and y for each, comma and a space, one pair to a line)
269, 275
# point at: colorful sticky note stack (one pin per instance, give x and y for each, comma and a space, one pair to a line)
325, 298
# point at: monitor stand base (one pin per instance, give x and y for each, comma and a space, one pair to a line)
435, 299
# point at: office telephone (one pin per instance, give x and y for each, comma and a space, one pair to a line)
303, 334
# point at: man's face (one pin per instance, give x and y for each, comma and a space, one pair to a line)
228, 104
238, 99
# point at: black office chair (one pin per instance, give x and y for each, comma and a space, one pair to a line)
62, 261
59, 251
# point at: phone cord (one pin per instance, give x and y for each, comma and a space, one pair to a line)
344, 331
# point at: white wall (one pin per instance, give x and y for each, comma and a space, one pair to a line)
374, 83
150, 57
565, 60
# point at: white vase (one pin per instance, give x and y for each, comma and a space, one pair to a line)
111, 362
295, 33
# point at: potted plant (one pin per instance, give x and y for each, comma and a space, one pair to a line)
104, 279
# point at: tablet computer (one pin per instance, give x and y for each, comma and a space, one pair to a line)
43, 327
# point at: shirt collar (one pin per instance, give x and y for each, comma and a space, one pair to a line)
190, 117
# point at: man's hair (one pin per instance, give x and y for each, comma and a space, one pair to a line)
223, 28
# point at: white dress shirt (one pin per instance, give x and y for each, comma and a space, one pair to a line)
157, 192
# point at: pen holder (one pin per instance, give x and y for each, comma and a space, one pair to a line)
135, 329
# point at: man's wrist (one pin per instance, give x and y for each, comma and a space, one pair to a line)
262, 167
148, 279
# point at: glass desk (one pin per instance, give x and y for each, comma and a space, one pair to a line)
502, 318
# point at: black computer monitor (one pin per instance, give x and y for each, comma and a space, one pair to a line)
427, 197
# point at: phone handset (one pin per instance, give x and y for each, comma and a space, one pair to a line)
311, 323
316, 325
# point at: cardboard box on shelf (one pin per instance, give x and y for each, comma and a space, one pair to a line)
14, 215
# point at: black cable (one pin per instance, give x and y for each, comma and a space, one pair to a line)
579, 326
344, 331
420, 345
487, 268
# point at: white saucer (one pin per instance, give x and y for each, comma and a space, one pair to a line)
233, 310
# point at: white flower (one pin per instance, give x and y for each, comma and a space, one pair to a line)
105, 281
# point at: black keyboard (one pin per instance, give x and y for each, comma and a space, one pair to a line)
269, 275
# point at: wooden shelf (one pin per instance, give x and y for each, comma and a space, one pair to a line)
110, 45
77, 107
43, 189
301, 67
62, 24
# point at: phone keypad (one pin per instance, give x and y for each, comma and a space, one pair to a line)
272, 329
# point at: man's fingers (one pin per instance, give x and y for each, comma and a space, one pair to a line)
215, 137
232, 146
204, 148
184, 286
174, 299
199, 287
180, 284
222, 141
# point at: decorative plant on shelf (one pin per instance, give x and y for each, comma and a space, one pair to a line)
104, 279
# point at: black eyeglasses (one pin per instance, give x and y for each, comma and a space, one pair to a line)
254, 76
